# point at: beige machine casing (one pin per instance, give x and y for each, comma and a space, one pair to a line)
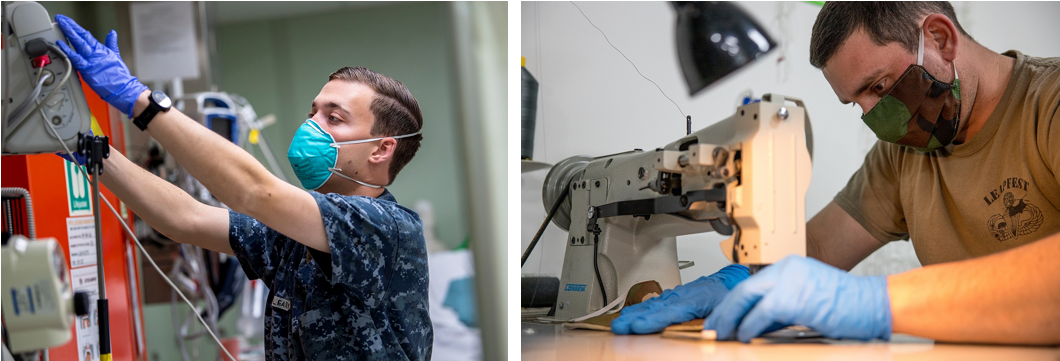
38, 301
761, 156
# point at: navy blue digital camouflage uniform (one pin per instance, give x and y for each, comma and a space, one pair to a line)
367, 300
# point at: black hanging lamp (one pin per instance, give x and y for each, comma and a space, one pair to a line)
714, 39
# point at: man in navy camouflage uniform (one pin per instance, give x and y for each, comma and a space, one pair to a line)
367, 317
346, 265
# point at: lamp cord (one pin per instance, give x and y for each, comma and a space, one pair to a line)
627, 59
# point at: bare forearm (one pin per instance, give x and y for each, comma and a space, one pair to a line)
162, 205
234, 177
835, 238
1010, 297
231, 174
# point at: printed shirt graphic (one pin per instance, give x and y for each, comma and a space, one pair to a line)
1018, 217
997, 191
367, 300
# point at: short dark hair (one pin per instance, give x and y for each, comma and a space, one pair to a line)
884, 21
395, 109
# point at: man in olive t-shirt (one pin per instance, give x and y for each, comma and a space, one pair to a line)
983, 212
966, 169
993, 192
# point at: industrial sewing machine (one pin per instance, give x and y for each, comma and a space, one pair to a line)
745, 176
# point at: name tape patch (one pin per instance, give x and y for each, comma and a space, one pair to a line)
281, 303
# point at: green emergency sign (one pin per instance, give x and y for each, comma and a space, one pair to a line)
77, 191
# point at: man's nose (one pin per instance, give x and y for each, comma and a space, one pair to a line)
867, 104
322, 123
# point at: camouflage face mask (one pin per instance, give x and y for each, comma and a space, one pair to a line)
919, 111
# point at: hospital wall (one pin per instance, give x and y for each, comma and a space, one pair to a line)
280, 64
592, 101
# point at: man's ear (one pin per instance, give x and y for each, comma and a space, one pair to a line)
941, 35
384, 152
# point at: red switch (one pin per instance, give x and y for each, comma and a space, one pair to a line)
41, 61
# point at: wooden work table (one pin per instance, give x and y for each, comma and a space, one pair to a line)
548, 342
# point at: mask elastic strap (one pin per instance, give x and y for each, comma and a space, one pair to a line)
337, 170
920, 50
336, 144
920, 55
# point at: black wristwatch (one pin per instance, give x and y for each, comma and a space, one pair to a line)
159, 101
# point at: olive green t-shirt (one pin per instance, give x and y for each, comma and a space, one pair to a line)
997, 191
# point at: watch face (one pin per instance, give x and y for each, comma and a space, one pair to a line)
161, 99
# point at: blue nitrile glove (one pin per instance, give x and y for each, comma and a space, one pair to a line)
80, 158
100, 66
804, 291
683, 303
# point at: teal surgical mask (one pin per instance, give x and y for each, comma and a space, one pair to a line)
918, 111
314, 153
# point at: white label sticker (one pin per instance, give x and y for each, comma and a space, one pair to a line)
81, 231
20, 301
44, 297
281, 303
87, 327
33, 299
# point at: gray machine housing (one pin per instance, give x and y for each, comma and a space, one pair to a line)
67, 110
634, 249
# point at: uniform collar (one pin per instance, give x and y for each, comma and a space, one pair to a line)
387, 196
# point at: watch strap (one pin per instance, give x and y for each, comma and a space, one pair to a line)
147, 115
150, 112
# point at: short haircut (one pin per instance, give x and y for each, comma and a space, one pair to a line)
884, 21
396, 113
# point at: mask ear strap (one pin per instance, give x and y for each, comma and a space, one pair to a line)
920, 55
336, 171
373, 139
920, 50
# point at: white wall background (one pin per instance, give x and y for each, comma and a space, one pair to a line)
592, 101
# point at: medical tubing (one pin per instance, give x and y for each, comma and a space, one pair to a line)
175, 318
541, 230
159, 270
179, 328
269, 157
29, 207
36, 91
139, 246
189, 262
197, 271
66, 76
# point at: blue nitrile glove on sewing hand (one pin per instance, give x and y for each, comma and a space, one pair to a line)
100, 66
683, 303
804, 291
